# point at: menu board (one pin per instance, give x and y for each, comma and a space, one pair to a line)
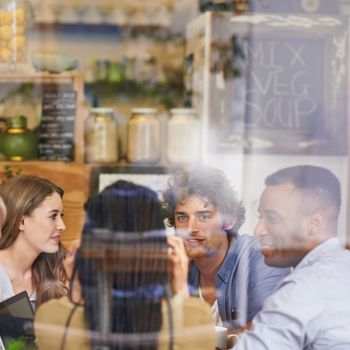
56, 131
277, 91
285, 84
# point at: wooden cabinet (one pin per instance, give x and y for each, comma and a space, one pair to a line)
72, 176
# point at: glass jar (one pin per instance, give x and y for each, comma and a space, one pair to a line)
101, 136
183, 136
143, 141
15, 18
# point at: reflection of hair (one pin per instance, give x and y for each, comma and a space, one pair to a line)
314, 182
207, 183
124, 226
22, 195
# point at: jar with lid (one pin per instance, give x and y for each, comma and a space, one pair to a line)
101, 136
143, 140
16, 16
183, 136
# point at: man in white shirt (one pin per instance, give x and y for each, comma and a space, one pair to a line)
310, 309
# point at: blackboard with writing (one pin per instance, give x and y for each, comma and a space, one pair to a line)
56, 131
286, 85
283, 94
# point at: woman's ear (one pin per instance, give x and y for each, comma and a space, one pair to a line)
22, 224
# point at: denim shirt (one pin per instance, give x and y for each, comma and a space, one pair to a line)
243, 282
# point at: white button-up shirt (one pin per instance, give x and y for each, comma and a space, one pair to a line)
311, 307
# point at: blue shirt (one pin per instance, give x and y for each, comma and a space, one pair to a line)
311, 308
243, 282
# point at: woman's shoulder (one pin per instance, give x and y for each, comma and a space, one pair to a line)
190, 304
192, 324
56, 309
50, 323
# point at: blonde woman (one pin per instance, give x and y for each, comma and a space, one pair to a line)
31, 253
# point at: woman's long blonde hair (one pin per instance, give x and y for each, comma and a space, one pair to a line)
22, 195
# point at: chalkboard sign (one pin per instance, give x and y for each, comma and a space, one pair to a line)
56, 131
285, 84
280, 92
270, 82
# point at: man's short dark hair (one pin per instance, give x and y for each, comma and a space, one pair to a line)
209, 183
318, 183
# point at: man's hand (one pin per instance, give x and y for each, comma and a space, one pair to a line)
233, 340
179, 265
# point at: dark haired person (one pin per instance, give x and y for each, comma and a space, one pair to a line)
134, 289
227, 270
299, 210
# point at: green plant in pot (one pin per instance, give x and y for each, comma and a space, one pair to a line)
17, 141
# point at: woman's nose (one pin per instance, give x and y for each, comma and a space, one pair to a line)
60, 224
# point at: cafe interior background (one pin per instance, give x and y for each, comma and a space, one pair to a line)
267, 82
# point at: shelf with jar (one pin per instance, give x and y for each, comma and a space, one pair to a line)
149, 140
153, 31
165, 94
51, 105
139, 76
136, 12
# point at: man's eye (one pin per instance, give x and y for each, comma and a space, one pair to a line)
204, 217
181, 218
272, 219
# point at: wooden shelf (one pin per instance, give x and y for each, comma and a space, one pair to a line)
66, 77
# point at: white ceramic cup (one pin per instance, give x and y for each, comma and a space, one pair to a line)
222, 336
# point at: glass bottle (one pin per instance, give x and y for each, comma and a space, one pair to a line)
183, 136
143, 141
101, 136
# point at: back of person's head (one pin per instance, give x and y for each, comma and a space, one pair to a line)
124, 206
124, 242
319, 186
22, 195
207, 183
